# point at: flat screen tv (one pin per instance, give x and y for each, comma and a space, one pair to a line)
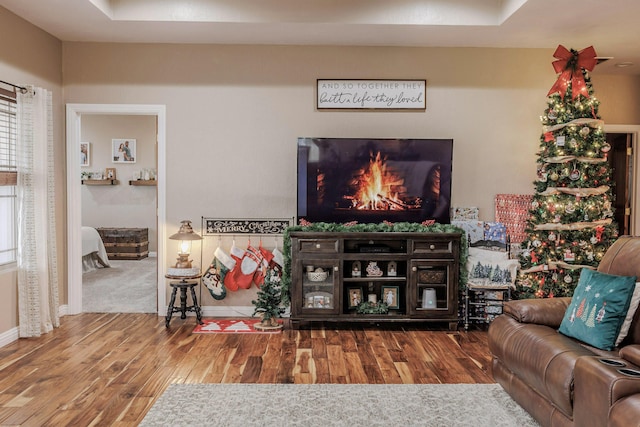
371, 180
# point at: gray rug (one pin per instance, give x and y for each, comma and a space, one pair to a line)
128, 286
388, 405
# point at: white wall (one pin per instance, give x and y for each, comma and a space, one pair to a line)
122, 205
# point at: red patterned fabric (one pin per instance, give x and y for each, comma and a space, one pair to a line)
513, 211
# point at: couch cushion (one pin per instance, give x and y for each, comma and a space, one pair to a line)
539, 356
633, 306
598, 308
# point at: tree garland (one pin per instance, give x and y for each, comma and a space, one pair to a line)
385, 227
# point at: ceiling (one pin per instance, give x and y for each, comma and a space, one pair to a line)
612, 26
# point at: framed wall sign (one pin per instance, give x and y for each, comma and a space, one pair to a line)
371, 94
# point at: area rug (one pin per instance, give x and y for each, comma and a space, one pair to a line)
128, 286
234, 326
310, 405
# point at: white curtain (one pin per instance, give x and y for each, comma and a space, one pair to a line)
37, 258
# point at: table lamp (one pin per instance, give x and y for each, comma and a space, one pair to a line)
186, 235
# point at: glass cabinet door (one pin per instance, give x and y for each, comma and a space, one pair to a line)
319, 287
432, 285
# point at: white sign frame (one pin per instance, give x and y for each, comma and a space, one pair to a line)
363, 94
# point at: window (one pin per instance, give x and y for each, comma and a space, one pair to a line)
8, 177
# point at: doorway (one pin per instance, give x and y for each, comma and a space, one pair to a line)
620, 158
74, 216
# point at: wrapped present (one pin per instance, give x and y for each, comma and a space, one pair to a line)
495, 231
474, 229
513, 211
464, 214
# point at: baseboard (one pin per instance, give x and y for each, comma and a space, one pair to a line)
9, 336
223, 311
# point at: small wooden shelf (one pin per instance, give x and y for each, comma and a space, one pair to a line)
143, 182
100, 182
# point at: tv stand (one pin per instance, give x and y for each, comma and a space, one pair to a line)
400, 276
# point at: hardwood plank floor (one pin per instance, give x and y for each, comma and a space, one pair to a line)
108, 369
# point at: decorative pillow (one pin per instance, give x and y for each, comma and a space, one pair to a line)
598, 307
633, 306
488, 254
489, 271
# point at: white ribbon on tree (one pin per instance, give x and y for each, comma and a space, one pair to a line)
578, 192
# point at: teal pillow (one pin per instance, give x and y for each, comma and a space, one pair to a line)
598, 308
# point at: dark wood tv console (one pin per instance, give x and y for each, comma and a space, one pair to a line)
414, 274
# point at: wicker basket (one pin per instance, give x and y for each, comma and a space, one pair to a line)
431, 276
317, 276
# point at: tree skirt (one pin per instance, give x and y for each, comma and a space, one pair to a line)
231, 326
323, 405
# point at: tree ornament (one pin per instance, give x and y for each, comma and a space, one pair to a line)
606, 148
574, 175
570, 208
584, 131
567, 279
554, 176
573, 143
552, 115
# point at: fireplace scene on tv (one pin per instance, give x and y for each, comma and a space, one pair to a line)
374, 180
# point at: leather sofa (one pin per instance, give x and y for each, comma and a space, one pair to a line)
559, 380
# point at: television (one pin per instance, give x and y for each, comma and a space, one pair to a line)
370, 180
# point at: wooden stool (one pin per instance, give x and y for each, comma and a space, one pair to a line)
184, 284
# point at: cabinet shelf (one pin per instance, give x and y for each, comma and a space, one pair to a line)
143, 182
375, 279
100, 182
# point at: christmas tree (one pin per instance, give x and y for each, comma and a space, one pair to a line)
570, 223
268, 303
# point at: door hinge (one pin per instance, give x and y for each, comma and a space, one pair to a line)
629, 151
627, 211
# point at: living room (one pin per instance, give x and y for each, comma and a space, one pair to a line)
234, 112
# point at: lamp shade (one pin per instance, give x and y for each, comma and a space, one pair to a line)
185, 232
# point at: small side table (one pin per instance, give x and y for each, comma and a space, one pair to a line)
183, 284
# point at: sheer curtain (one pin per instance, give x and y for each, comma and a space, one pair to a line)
37, 258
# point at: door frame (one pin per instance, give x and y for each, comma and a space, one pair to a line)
634, 131
74, 114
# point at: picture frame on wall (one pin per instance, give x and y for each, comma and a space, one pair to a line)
85, 154
390, 296
355, 296
123, 150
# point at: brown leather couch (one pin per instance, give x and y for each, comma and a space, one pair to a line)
561, 381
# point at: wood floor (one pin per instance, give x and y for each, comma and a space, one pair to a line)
108, 369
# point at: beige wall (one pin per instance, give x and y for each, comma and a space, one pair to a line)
619, 98
121, 205
31, 56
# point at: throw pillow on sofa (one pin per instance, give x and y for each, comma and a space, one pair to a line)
598, 308
633, 306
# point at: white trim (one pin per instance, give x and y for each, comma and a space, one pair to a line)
9, 336
634, 130
74, 215
227, 311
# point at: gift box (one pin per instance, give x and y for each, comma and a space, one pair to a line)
474, 229
513, 211
464, 214
495, 231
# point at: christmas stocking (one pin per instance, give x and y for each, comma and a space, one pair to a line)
265, 258
276, 265
214, 277
230, 280
243, 275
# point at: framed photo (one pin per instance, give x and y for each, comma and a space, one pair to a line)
390, 296
110, 173
355, 296
123, 150
85, 154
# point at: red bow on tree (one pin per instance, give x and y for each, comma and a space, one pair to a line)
570, 65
